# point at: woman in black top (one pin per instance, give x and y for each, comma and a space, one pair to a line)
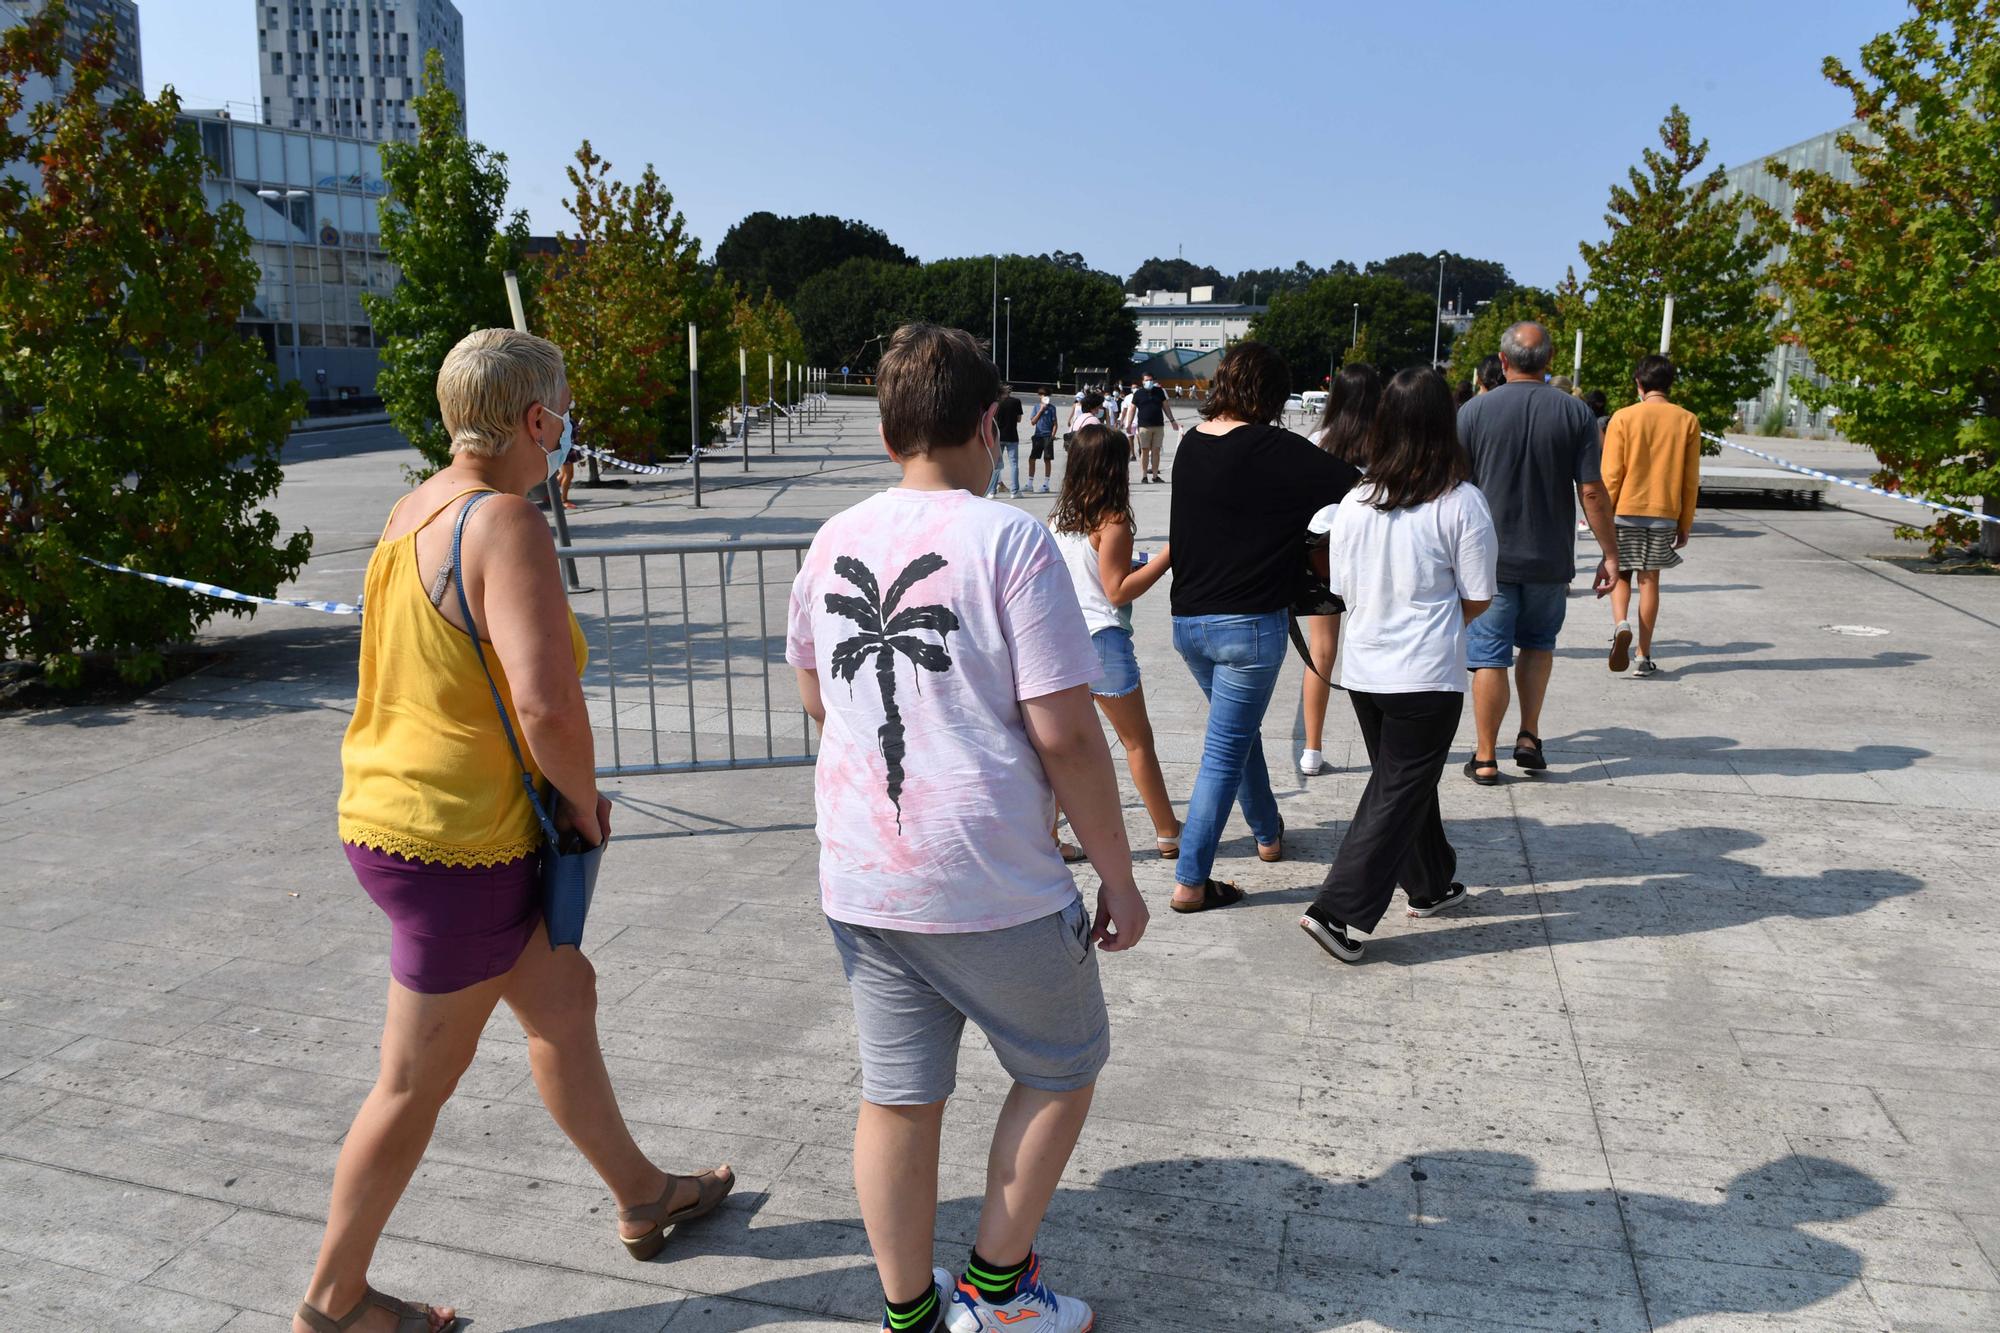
1243, 492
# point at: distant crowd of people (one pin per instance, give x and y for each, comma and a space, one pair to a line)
955, 654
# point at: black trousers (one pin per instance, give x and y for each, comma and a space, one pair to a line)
1397, 835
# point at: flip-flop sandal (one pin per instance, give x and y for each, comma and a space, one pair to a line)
1478, 770
1529, 756
1214, 893
410, 1316
712, 1187
1071, 853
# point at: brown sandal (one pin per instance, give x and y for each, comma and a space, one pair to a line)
410, 1317
712, 1187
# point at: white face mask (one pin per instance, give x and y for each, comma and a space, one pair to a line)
564, 442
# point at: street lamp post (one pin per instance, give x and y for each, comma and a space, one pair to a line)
771, 395
743, 382
1009, 371
1355, 337
1437, 324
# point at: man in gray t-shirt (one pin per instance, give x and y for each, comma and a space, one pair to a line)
1535, 453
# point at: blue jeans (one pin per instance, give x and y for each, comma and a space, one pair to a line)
1235, 660
1012, 450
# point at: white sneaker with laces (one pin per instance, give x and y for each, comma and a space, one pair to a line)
1311, 763
1034, 1306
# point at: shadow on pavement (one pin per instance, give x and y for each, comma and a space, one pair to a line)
1468, 1237
1626, 751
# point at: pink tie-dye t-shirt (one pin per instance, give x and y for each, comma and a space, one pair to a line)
929, 616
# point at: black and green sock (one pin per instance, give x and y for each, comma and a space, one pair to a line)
997, 1283
917, 1316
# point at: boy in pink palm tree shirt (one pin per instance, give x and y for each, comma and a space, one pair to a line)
939, 644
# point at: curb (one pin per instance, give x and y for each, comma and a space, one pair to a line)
312, 424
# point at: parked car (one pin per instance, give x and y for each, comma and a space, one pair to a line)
1315, 401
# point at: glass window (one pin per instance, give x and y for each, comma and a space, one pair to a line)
305, 266
244, 140
330, 267
298, 160
322, 156
284, 335
358, 335
348, 155
371, 167
326, 217
309, 335
353, 216
336, 335
215, 145
270, 155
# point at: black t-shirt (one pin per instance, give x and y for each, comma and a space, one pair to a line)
1240, 506
1150, 406
1009, 417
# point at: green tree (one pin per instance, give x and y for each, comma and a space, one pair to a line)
1062, 315
441, 228
618, 300
1313, 329
768, 336
1256, 286
1472, 280
1171, 275
1482, 338
765, 251
1678, 230
1894, 279
847, 313
136, 426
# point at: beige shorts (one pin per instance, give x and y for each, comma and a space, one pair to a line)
1150, 437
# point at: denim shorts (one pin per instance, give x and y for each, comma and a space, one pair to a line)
1117, 664
1523, 615
1033, 989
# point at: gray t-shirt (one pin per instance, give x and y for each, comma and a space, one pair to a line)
1531, 445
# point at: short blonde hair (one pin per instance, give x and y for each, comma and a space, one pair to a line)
489, 381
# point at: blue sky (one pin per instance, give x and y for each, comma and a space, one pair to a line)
1246, 134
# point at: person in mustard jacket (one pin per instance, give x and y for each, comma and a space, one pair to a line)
1652, 471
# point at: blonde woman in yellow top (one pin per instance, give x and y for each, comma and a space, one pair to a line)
441, 835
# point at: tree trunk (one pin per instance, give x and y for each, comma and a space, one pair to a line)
1989, 533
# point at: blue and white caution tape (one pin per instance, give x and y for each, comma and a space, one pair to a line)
652, 469
230, 594
1854, 485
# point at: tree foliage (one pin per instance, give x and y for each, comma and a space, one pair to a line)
769, 337
1171, 275
1482, 338
767, 252
1893, 280
1313, 329
617, 297
1473, 280
441, 228
1677, 230
1062, 315
136, 425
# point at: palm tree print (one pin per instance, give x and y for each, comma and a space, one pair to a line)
886, 632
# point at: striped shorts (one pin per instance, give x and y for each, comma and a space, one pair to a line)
1647, 548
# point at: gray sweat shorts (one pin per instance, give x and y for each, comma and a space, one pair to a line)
1032, 989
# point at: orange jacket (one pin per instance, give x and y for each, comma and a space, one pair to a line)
1652, 462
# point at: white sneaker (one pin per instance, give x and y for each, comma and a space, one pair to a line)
1312, 763
1035, 1305
1045, 488
943, 1282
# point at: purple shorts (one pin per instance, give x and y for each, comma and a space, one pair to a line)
450, 926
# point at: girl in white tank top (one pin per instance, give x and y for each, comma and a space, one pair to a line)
1093, 526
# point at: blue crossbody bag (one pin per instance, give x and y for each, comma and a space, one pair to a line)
569, 865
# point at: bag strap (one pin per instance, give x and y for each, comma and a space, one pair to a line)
1305, 654
472, 631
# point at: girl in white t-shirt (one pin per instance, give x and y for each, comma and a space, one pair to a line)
1411, 549
1093, 526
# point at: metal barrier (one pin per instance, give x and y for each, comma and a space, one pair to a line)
676, 686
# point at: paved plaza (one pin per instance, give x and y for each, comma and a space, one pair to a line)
1713, 1045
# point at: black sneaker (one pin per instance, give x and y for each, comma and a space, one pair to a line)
1332, 938
1453, 896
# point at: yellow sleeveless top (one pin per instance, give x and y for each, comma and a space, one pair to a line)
426, 773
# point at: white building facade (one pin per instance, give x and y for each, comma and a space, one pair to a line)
1191, 320
354, 68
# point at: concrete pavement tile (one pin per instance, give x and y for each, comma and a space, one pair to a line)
1923, 1309
99, 1226
58, 1298
1685, 1294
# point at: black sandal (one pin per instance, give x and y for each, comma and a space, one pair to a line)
1214, 893
1529, 756
1475, 764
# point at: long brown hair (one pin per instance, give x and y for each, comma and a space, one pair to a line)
1097, 482
1414, 455
1350, 413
